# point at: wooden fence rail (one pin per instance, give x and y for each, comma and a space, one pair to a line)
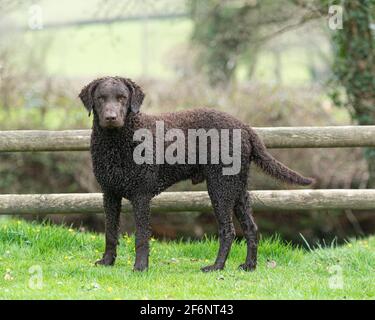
286, 137
283, 137
72, 203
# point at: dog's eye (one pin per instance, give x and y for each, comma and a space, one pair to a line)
121, 98
101, 99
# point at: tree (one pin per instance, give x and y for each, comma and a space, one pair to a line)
225, 30
354, 62
223, 33
354, 67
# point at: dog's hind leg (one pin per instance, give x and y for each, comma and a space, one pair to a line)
242, 211
222, 203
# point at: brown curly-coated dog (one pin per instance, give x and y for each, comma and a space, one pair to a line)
115, 103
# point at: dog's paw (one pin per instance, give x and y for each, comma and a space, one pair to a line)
212, 268
247, 267
105, 261
140, 267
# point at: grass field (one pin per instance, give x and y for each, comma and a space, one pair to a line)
113, 49
137, 49
120, 48
50, 262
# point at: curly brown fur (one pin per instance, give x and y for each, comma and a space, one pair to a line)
115, 103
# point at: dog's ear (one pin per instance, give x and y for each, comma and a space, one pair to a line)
136, 94
87, 94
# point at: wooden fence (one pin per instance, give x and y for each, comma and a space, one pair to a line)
286, 137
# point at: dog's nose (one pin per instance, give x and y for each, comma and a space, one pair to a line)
111, 117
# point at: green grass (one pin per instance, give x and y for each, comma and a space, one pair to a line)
121, 48
97, 50
116, 49
64, 259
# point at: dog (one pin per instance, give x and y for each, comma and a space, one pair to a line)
117, 122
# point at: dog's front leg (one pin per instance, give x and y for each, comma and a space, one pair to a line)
112, 209
141, 207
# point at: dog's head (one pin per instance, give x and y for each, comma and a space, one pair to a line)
111, 99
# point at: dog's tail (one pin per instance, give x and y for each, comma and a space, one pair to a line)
271, 166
